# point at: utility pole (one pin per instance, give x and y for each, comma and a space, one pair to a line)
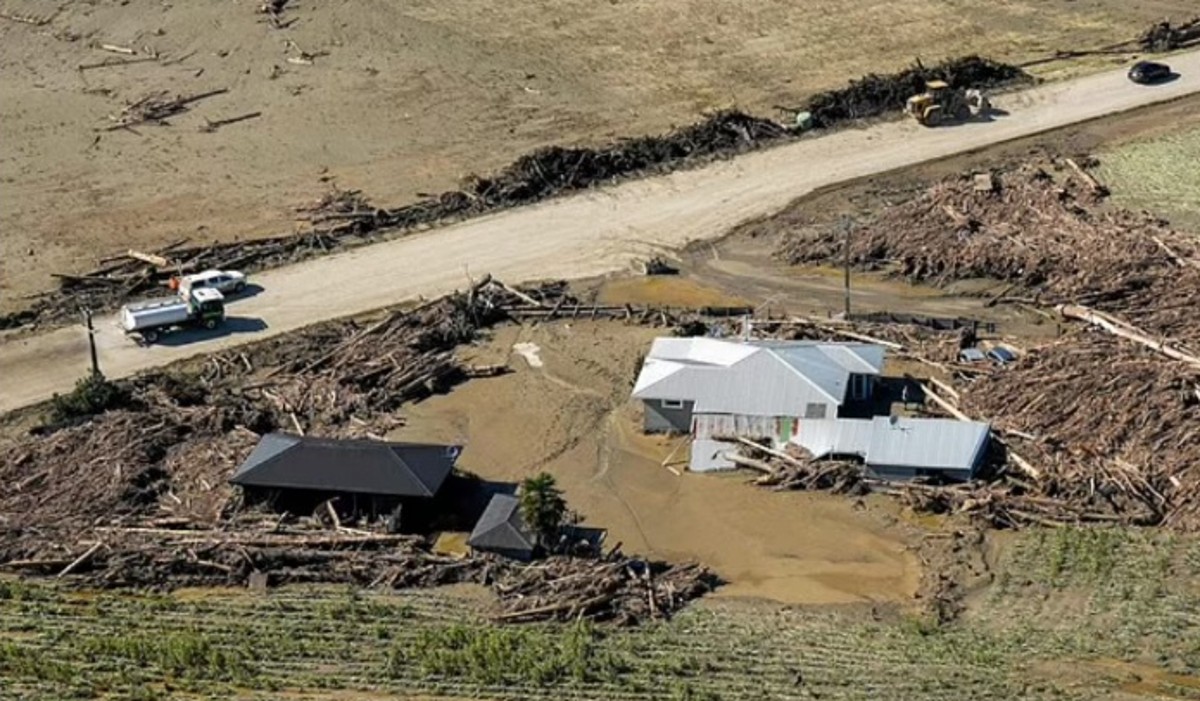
847, 226
91, 331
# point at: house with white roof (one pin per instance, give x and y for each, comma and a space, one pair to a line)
809, 393
710, 388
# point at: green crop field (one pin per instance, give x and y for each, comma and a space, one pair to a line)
1069, 596
1159, 175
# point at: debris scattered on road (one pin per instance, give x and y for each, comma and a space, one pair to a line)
156, 108
211, 125
875, 95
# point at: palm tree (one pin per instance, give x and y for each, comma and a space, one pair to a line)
542, 507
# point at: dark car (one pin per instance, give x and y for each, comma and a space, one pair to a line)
1145, 72
1001, 355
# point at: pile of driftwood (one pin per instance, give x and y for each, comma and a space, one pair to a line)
1098, 426
875, 95
1164, 36
1158, 37
345, 218
1039, 228
261, 550
791, 468
615, 588
138, 496
1113, 427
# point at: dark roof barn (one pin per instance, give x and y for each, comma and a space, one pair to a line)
284, 461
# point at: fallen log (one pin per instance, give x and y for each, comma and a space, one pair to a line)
1123, 330
152, 259
771, 451
80, 560
751, 463
847, 334
1095, 185
1022, 464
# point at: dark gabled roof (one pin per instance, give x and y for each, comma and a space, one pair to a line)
501, 527
282, 460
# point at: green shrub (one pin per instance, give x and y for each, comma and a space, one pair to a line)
499, 656
92, 395
187, 655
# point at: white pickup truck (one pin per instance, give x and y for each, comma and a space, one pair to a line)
224, 281
202, 307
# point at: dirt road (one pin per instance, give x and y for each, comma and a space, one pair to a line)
576, 237
409, 97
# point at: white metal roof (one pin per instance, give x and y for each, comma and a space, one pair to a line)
699, 350
762, 378
893, 441
944, 444
825, 437
828, 365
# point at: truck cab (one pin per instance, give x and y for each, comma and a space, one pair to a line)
206, 306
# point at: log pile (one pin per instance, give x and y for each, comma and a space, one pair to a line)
1115, 427
1101, 425
617, 589
1164, 36
1041, 229
874, 95
345, 218
260, 550
139, 496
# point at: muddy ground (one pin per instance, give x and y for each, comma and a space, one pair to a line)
398, 100
565, 409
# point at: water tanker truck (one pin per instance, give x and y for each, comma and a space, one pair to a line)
203, 308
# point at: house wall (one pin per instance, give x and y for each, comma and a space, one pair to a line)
660, 419
779, 429
899, 473
709, 456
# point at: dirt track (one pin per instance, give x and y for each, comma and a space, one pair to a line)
576, 237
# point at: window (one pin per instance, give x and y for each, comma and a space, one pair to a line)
860, 387
672, 403
814, 411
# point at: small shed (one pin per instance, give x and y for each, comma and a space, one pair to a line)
501, 530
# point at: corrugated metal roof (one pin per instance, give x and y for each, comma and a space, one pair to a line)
760, 378
501, 527
943, 444
699, 350
825, 437
892, 441
282, 460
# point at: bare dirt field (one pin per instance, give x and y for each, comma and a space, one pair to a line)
572, 416
398, 100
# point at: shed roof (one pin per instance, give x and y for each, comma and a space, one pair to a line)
282, 460
896, 441
765, 378
944, 444
825, 437
501, 527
